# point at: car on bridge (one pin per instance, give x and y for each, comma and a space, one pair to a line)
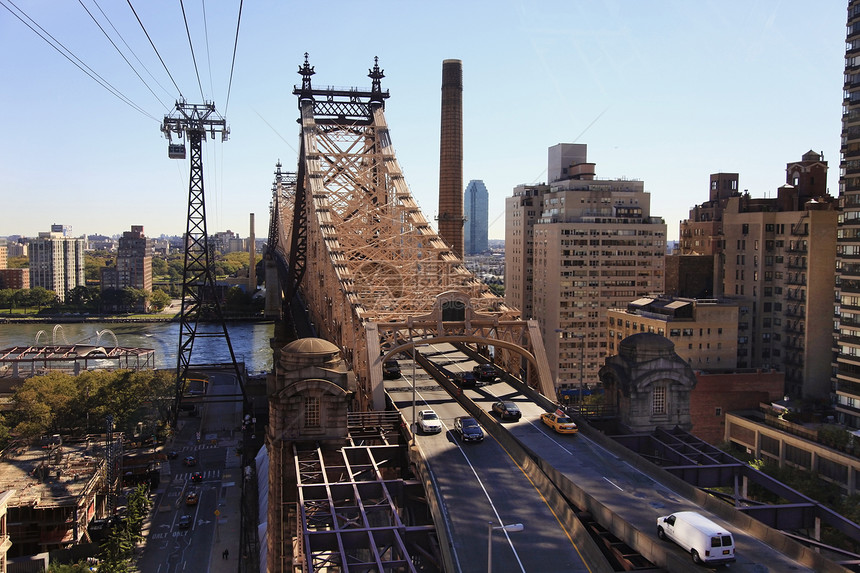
391, 369
560, 422
506, 410
429, 422
485, 372
465, 379
705, 541
469, 429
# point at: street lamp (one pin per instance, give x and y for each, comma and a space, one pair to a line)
415, 348
490, 530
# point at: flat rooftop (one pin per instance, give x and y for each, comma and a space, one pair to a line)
53, 475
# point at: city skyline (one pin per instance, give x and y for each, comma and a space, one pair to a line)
666, 93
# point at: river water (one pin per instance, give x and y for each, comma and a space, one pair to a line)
250, 340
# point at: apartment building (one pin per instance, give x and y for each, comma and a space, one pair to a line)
574, 248
57, 262
705, 331
779, 266
846, 381
700, 233
133, 263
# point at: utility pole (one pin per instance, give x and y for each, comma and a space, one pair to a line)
200, 301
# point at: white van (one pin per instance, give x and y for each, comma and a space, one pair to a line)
706, 541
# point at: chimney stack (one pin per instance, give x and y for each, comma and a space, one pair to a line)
451, 157
252, 269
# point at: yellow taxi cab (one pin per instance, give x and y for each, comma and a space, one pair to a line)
191, 498
560, 422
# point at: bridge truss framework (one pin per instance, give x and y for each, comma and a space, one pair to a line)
375, 276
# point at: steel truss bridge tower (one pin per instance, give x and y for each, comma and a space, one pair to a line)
200, 301
376, 278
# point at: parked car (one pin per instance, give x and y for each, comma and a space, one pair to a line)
192, 498
485, 372
184, 522
391, 370
469, 429
507, 410
196, 477
705, 541
560, 422
465, 379
190, 461
429, 422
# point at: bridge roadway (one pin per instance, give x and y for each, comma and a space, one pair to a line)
477, 483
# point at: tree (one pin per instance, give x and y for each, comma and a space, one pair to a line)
80, 297
7, 298
62, 403
18, 262
159, 300
93, 262
133, 298
41, 297
159, 266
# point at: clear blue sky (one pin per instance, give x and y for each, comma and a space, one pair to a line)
663, 91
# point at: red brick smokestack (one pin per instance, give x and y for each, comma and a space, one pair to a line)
451, 157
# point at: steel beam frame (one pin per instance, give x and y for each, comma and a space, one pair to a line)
354, 517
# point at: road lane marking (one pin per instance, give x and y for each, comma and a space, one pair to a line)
610, 481
546, 502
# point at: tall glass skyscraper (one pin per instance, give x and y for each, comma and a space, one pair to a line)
476, 209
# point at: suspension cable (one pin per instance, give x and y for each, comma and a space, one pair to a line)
129, 48
208, 52
142, 27
119, 51
233, 63
191, 45
69, 55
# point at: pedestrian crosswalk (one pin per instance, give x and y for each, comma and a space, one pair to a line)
191, 448
207, 475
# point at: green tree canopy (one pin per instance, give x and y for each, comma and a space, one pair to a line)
62, 403
159, 300
94, 261
18, 262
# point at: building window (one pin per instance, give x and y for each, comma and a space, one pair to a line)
312, 412
658, 400
718, 411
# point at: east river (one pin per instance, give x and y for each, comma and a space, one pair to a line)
250, 340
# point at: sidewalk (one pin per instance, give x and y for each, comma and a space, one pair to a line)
228, 522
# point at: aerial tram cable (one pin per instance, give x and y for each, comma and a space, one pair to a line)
90, 14
208, 53
233, 62
191, 45
69, 55
142, 27
129, 48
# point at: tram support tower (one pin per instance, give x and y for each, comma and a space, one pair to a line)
200, 300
